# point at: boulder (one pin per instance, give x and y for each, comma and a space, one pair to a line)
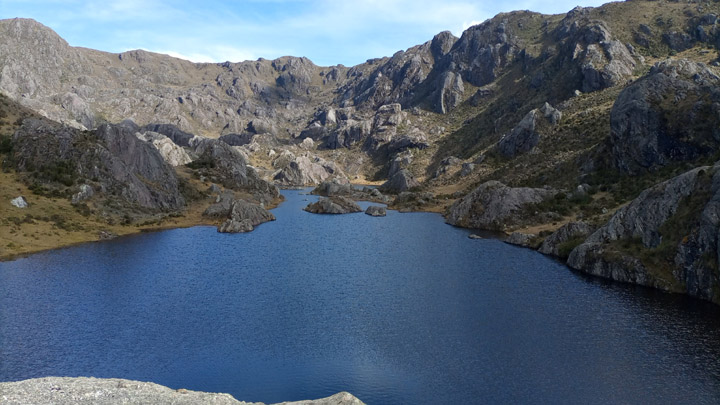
401, 181
178, 136
333, 188
234, 226
521, 239
333, 205
672, 114
560, 242
222, 206
245, 211
415, 139
19, 202
304, 170
494, 206
173, 154
376, 211
525, 135
238, 139
84, 193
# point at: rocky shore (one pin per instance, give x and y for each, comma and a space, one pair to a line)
111, 391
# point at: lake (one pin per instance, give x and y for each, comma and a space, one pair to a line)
403, 309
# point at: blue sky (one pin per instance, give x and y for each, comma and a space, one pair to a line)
328, 32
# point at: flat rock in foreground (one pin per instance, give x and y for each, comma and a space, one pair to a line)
99, 391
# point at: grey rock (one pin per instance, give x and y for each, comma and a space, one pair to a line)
415, 139
231, 168
334, 188
401, 181
123, 166
173, 154
521, 239
678, 41
178, 136
262, 126
525, 136
376, 211
237, 139
400, 161
84, 193
19, 202
106, 235
235, 226
467, 169
246, 211
566, 233
494, 206
449, 93
647, 131
676, 223
333, 205
304, 170
222, 206
97, 391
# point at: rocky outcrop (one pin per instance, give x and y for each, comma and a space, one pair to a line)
111, 158
565, 238
173, 154
376, 211
304, 170
333, 205
666, 238
602, 61
19, 202
225, 165
401, 181
525, 136
494, 206
84, 193
244, 217
670, 115
522, 239
449, 93
110, 391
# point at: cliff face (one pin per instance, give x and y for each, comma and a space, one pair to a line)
666, 238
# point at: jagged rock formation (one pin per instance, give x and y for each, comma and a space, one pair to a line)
244, 217
670, 115
304, 170
221, 162
110, 391
521, 239
111, 158
333, 205
565, 237
494, 206
525, 136
173, 154
401, 181
667, 238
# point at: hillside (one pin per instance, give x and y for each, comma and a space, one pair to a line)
527, 123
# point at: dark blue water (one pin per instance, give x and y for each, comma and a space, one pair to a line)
401, 309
